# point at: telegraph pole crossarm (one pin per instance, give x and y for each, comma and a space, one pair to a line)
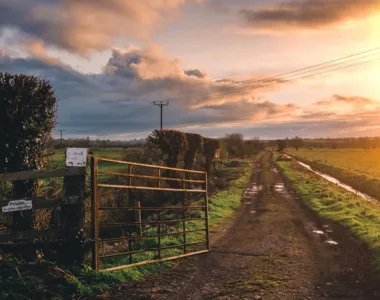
161, 104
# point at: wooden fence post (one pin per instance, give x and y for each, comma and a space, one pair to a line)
72, 219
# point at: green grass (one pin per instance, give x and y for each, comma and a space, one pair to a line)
58, 160
224, 203
356, 161
222, 206
355, 167
358, 215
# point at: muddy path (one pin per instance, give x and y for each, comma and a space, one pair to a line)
275, 249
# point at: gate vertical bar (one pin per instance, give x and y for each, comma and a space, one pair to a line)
159, 233
94, 213
130, 183
183, 213
139, 217
206, 213
159, 178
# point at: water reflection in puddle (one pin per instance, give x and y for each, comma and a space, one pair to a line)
279, 187
250, 193
323, 234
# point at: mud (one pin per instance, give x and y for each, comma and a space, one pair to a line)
274, 249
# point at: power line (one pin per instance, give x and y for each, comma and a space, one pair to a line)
283, 78
314, 74
317, 65
161, 105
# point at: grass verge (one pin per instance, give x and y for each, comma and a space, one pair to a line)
363, 183
358, 215
47, 281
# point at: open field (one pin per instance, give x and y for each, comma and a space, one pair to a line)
58, 160
358, 161
360, 216
356, 167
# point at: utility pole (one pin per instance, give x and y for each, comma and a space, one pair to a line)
161, 105
61, 131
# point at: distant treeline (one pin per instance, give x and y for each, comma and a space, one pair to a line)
88, 143
238, 146
330, 143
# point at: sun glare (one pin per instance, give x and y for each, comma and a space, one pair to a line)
375, 29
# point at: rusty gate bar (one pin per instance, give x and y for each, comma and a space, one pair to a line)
138, 208
206, 214
148, 166
151, 222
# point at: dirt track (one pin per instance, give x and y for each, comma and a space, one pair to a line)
270, 252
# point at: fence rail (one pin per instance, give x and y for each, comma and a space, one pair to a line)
40, 174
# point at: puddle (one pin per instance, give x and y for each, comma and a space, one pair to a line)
279, 187
318, 232
331, 242
251, 191
337, 182
252, 211
321, 234
274, 170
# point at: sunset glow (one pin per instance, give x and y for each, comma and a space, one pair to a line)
116, 57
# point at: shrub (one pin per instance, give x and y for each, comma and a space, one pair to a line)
27, 116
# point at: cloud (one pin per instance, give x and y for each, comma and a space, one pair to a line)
195, 72
311, 14
353, 101
38, 49
152, 75
118, 101
86, 25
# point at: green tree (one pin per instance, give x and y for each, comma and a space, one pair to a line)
297, 142
27, 116
235, 145
281, 145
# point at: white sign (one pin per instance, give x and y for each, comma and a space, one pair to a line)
17, 205
76, 157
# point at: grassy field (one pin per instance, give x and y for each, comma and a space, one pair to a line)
356, 161
58, 160
223, 204
360, 216
356, 167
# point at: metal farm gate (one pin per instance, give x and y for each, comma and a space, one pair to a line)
146, 213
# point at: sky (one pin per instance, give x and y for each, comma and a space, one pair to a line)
109, 60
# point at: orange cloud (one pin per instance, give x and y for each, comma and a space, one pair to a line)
38, 49
311, 14
85, 26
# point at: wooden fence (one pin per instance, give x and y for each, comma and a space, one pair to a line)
72, 202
